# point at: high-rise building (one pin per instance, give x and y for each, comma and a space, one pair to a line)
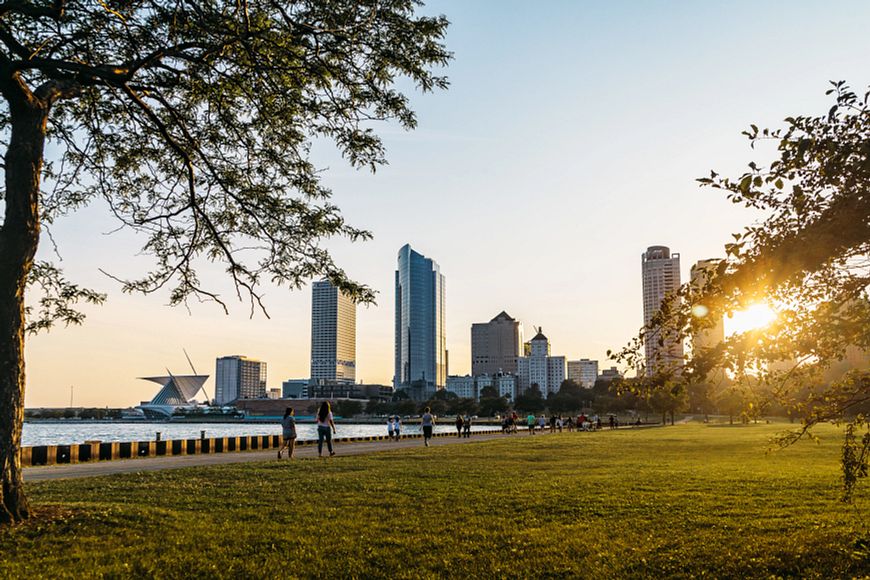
712, 335
661, 275
421, 345
239, 377
333, 335
584, 372
539, 368
496, 345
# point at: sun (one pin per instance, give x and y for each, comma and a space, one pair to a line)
752, 318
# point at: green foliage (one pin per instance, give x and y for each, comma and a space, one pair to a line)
692, 501
530, 401
348, 408
808, 259
193, 123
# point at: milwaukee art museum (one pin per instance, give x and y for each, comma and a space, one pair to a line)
178, 391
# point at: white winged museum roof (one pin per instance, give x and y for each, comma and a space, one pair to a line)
177, 389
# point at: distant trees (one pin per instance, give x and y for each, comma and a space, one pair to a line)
531, 401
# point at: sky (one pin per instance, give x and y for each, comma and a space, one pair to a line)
568, 142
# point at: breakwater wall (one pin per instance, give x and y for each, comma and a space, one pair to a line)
91, 451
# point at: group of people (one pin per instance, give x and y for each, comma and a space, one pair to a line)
463, 425
394, 427
325, 429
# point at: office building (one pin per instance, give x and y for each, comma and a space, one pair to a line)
584, 372
239, 377
661, 276
496, 345
294, 389
421, 345
333, 334
539, 367
471, 387
609, 375
464, 387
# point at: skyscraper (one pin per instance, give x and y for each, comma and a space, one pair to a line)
714, 334
661, 275
239, 377
421, 345
496, 345
333, 335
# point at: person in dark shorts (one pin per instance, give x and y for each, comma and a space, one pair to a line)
466, 425
427, 421
458, 425
288, 432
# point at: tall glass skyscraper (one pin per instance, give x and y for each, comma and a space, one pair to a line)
421, 346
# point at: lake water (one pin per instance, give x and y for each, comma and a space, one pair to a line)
50, 433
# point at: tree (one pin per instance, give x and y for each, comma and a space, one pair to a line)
531, 400
348, 408
193, 122
809, 261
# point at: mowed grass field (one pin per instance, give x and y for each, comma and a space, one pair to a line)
689, 500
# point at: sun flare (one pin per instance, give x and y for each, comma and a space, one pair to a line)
752, 318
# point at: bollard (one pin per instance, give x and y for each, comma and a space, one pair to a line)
202, 434
158, 436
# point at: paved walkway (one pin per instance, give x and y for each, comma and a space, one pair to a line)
92, 469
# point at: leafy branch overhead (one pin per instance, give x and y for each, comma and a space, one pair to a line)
194, 122
810, 259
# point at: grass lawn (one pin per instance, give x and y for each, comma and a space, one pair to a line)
689, 500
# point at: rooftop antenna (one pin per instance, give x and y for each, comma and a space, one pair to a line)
188, 361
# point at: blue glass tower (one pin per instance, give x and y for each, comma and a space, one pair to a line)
421, 346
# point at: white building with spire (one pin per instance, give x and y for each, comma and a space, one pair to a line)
539, 368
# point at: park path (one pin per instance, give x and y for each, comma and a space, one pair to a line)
78, 470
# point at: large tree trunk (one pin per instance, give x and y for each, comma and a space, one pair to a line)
19, 237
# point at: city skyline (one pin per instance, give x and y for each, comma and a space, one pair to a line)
540, 213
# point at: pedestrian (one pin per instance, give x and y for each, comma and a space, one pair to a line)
466, 425
427, 421
542, 423
559, 423
530, 420
514, 419
325, 428
612, 422
288, 432
569, 424
397, 428
458, 425
391, 428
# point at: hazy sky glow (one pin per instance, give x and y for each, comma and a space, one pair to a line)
568, 142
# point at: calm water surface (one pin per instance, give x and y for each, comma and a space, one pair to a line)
73, 432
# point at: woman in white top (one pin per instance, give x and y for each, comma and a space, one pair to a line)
325, 428
391, 427
397, 428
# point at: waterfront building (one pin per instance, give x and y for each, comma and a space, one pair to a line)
239, 377
584, 372
176, 392
539, 367
661, 275
464, 387
713, 334
507, 386
333, 334
496, 345
294, 389
470, 386
420, 340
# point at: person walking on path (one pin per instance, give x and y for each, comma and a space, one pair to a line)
542, 423
391, 428
531, 422
466, 426
325, 428
397, 428
288, 432
459, 424
427, 422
